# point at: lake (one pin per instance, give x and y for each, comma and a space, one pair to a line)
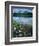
23, 20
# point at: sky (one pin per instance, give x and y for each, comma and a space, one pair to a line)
22, 10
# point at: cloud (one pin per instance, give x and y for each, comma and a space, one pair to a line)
21, 10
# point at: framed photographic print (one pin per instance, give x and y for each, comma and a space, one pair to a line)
21, 22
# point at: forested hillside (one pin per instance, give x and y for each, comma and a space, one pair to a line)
22, 14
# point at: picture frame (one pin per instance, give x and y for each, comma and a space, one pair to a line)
31, 11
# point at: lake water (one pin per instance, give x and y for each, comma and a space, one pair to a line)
23, 20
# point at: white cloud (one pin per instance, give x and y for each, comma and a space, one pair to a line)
17, 10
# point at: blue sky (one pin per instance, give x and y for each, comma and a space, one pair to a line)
21, 10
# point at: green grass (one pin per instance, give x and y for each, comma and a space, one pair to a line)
24, 28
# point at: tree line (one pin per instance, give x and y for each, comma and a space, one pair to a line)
22, 14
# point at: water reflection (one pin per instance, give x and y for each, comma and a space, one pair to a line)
23, 20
